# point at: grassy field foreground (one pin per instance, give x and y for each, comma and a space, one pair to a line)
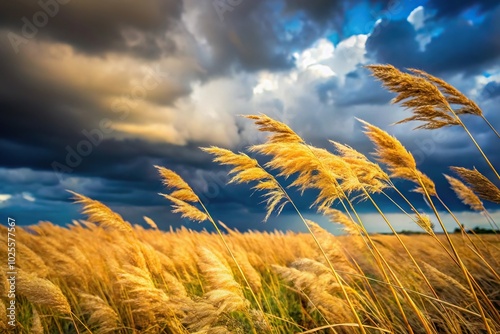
149, 281
104, 275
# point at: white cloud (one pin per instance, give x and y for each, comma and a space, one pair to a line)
322, 50
4, 198
304, 97
417, 17
425, 33
481, 81
341, 59
27, 196
267, 83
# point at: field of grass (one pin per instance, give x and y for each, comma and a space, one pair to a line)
149, 281
104, 275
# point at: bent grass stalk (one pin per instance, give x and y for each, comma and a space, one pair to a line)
465, 271
469, 198
401, 164
420, 92
447, 251
464, 232
282, 134
455, 260
281, 130
475, 143
243, 165
356, 159
382, 265
361, 158
171, 179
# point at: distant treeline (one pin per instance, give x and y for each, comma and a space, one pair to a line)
475, 230
478, 230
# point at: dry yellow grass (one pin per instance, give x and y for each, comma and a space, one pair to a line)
103, 275
479, 183
196, 290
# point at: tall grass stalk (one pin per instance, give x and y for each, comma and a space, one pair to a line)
459, 260
173, 180
243, 164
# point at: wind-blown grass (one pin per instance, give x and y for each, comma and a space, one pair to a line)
105, 275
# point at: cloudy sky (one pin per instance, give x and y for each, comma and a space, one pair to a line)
94, 93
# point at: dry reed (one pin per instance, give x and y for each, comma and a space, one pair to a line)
479, 184
42, 292
465, 194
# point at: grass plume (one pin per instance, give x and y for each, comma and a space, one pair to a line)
480, 184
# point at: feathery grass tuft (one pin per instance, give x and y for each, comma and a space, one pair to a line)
42, 292
424, 221
186, 210
338, 217
398, 160
181, 196
280, 132
36, 323
150, 222
465, 193
247, 170
480, 184
367, 173
429, 105
452, 95
100, 214
102, 316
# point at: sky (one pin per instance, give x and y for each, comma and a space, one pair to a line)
93, 94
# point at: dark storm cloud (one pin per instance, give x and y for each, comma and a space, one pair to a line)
250, 37
255, 35
42, 117
331, 12
96, 26
36, 113
320, 10
491, 90
359, 89
35, 119
252, 34
461, 46
453, 8
394, 42
465, 47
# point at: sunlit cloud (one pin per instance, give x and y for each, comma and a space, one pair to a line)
4, 197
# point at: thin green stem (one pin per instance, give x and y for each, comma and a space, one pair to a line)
73, 317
